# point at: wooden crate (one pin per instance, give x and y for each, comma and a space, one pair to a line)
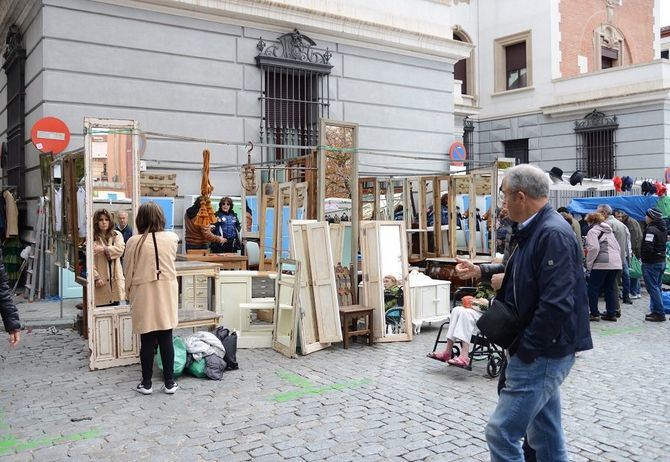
158, 190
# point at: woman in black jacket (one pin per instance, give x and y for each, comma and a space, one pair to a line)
227, 226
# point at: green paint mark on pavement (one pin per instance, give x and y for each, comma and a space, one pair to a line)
9, 443
618, 331
308, 388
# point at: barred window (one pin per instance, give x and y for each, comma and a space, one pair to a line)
294, 93
518, 149
596, 144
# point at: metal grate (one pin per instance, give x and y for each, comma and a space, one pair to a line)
517, 149
596, 145
295, 93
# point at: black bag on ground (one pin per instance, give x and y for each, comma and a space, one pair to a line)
229, 341
500, 323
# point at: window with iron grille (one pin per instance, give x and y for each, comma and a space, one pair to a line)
517, 149
596, 144
294, 94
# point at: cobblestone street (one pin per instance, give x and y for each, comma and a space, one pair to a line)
388, 402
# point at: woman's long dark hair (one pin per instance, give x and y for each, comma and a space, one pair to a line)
97, 232
150, 219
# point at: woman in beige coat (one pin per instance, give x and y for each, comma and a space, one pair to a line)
108, 248
152, 290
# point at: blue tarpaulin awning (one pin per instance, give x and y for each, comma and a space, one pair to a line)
634, 206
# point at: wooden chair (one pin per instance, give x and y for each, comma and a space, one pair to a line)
350, 314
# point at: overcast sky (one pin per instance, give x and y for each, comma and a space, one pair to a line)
665, 13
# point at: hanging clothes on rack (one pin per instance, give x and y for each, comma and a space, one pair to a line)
81, 211
12, 214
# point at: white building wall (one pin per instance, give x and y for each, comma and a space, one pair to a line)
505, 18
197, 77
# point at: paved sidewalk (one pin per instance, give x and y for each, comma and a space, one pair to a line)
386, 402
47, 313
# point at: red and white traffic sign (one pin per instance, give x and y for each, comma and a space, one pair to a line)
50, 134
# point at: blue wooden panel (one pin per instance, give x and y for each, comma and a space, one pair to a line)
269, 228
167, 205
70, 289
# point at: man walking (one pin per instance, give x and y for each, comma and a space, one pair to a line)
544, 279
653, 262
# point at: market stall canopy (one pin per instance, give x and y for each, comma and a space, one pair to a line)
634, 206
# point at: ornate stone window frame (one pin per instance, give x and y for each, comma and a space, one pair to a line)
610, 37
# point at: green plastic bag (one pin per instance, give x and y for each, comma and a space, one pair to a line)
179, 356
197, 368
635, 268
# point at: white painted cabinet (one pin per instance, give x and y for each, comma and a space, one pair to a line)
431, 299
247, 306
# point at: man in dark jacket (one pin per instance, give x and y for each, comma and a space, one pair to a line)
8, 311
544, 279
653, 262
123, 227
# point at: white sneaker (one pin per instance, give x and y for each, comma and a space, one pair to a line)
636, 297
145, 391
170, 391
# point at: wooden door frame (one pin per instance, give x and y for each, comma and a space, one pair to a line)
321, 185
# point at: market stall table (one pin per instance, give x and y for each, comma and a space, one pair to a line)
227, 261
444, 268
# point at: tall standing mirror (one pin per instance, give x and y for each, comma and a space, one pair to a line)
110, 193
385, 279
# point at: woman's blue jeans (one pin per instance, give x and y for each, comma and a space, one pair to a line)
530, 404
653, 279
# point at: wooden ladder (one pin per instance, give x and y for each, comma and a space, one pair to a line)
36, 260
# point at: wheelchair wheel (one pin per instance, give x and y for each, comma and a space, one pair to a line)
494, 365
455, 351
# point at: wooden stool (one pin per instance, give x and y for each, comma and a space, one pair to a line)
352, 313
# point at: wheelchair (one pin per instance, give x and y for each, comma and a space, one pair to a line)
481, 349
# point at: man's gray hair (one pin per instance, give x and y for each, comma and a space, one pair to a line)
605, 210
529, 179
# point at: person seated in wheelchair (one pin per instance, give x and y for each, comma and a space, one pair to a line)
393, 301
462, 324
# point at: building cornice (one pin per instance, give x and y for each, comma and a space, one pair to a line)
279, 14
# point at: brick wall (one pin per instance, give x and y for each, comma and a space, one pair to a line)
580, 18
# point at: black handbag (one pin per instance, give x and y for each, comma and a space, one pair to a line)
500, 323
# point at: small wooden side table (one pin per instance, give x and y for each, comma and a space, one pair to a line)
350, 315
